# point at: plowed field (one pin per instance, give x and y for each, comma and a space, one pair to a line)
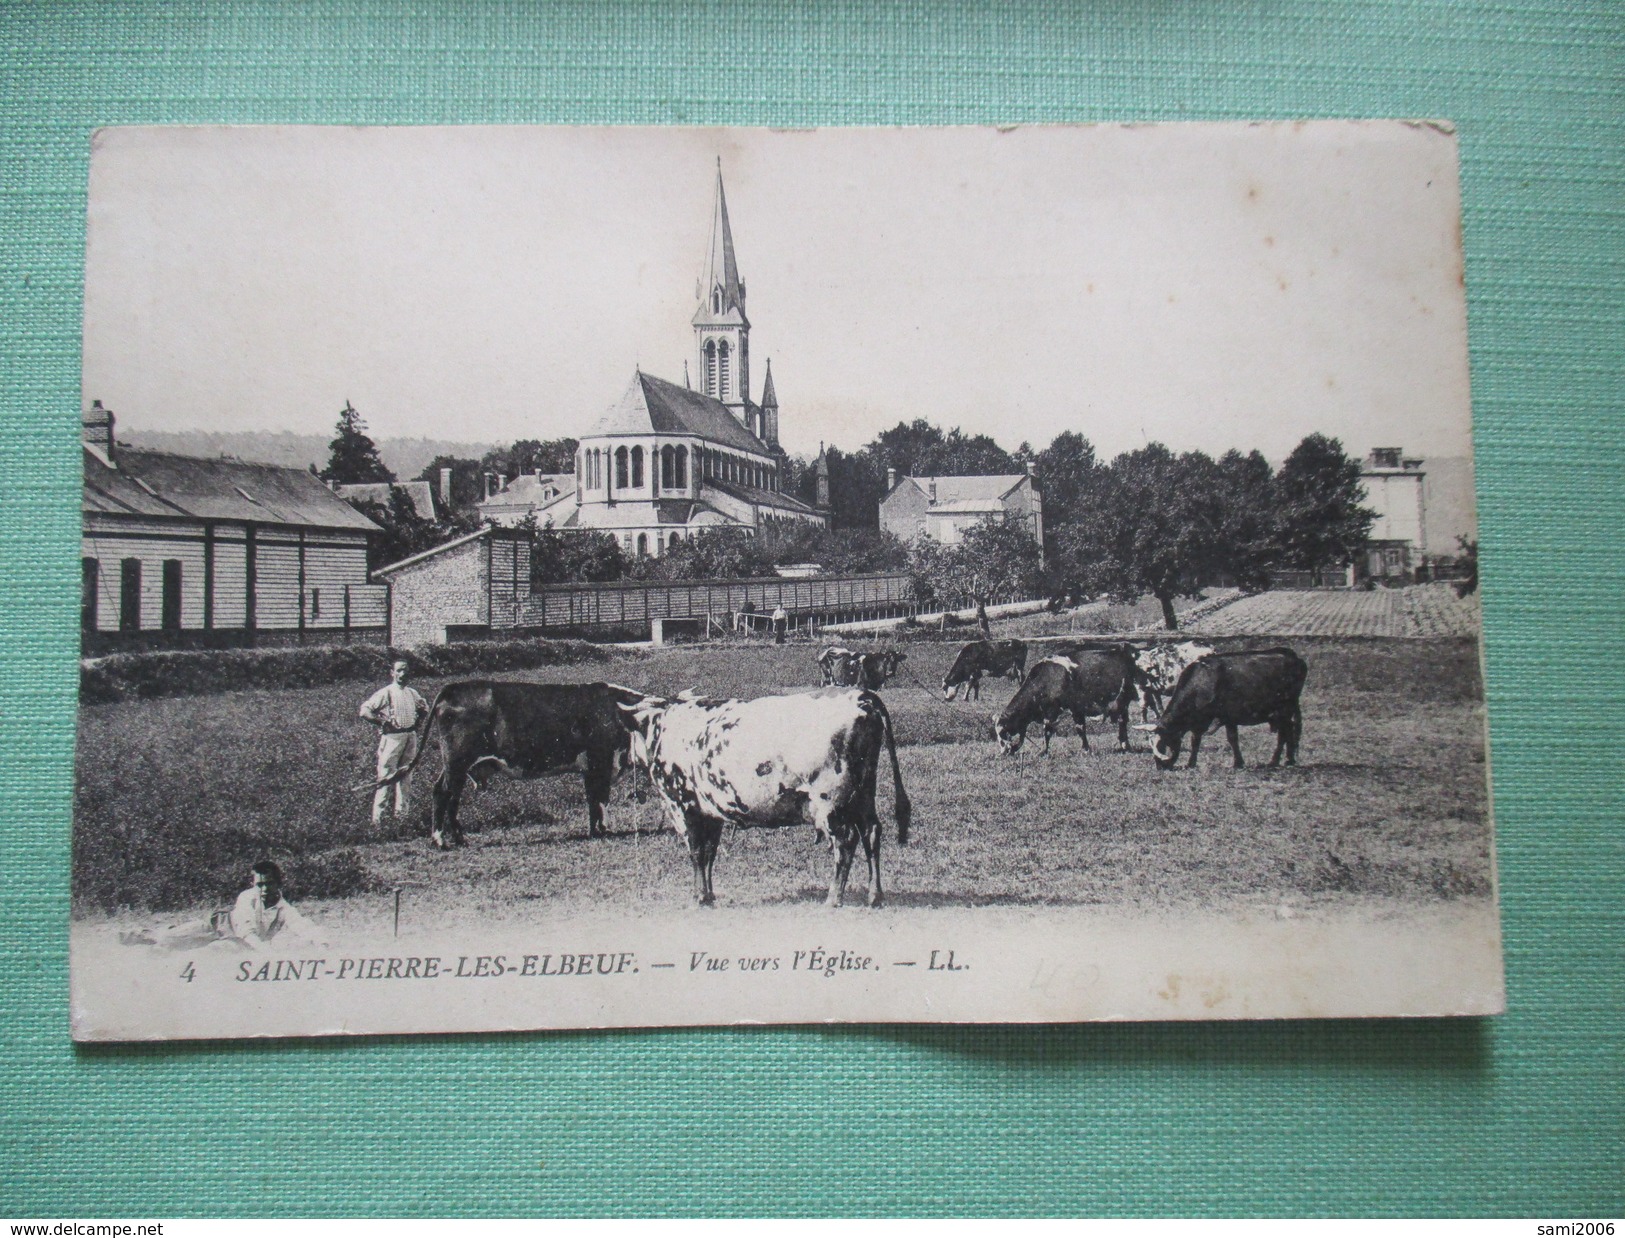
1417, 611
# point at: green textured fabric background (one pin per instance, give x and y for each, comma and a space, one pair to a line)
1524, 1114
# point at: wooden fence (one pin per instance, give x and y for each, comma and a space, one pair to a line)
636, 603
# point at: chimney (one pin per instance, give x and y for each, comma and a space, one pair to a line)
96, 428
489, 479
933, 489
891, 480
445, 489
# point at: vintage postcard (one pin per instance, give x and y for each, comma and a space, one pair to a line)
584, 577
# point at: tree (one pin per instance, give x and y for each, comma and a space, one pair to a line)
405, 533
961, 455
1066, 471
1247, 544
352, 456
466, 485
995, 557
588, 555
710, 555
1319, 520
1151, 527
529, 455
838, 551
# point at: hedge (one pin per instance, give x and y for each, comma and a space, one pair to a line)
197, 672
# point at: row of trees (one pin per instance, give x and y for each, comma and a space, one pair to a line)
1150, 522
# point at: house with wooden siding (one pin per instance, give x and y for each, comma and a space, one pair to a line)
187, 552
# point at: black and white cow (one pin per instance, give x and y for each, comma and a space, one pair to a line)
523, 730
1099, 681
1233, 690
776, 760
984, 657
1162, 664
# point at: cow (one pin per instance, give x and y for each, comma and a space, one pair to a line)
776, 760
984, 657
1162, 664
860, 670
1099, 681
830, 658
523, 730
1233, 690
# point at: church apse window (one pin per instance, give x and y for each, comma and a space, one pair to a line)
666, 469
622, 475
681, 467
637, 468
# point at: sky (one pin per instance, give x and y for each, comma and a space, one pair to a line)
1204, 285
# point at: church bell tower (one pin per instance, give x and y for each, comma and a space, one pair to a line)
721, 330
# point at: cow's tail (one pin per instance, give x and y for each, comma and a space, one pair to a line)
406, 770
905, 809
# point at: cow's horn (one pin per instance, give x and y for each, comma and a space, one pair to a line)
1160, 747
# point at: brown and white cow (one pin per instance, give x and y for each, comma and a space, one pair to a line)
776, 760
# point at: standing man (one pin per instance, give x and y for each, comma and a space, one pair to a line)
396, 710
781, 620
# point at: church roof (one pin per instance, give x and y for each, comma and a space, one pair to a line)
762, 498
653, 406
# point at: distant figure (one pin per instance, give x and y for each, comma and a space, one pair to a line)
259, 917
781, 620
396, 710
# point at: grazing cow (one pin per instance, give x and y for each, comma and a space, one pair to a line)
1231, 690
861, 670
984, 657
776, 760
1163, 664
1099, 681
523, 730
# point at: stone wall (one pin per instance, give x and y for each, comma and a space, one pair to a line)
446, 589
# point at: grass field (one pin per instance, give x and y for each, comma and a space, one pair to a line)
176, 796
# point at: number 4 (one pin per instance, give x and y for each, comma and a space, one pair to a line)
188, 973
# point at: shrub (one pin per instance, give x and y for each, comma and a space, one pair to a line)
204, 671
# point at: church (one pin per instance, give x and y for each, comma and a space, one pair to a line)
666, 460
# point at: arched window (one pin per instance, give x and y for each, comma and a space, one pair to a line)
592, 468
722, 371
637, 468
667, 481
682, 468
643, 544
673, 542
711, 368
621, 477
716, 299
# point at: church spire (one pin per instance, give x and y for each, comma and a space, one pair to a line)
721, 290
721, 330
769, 398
